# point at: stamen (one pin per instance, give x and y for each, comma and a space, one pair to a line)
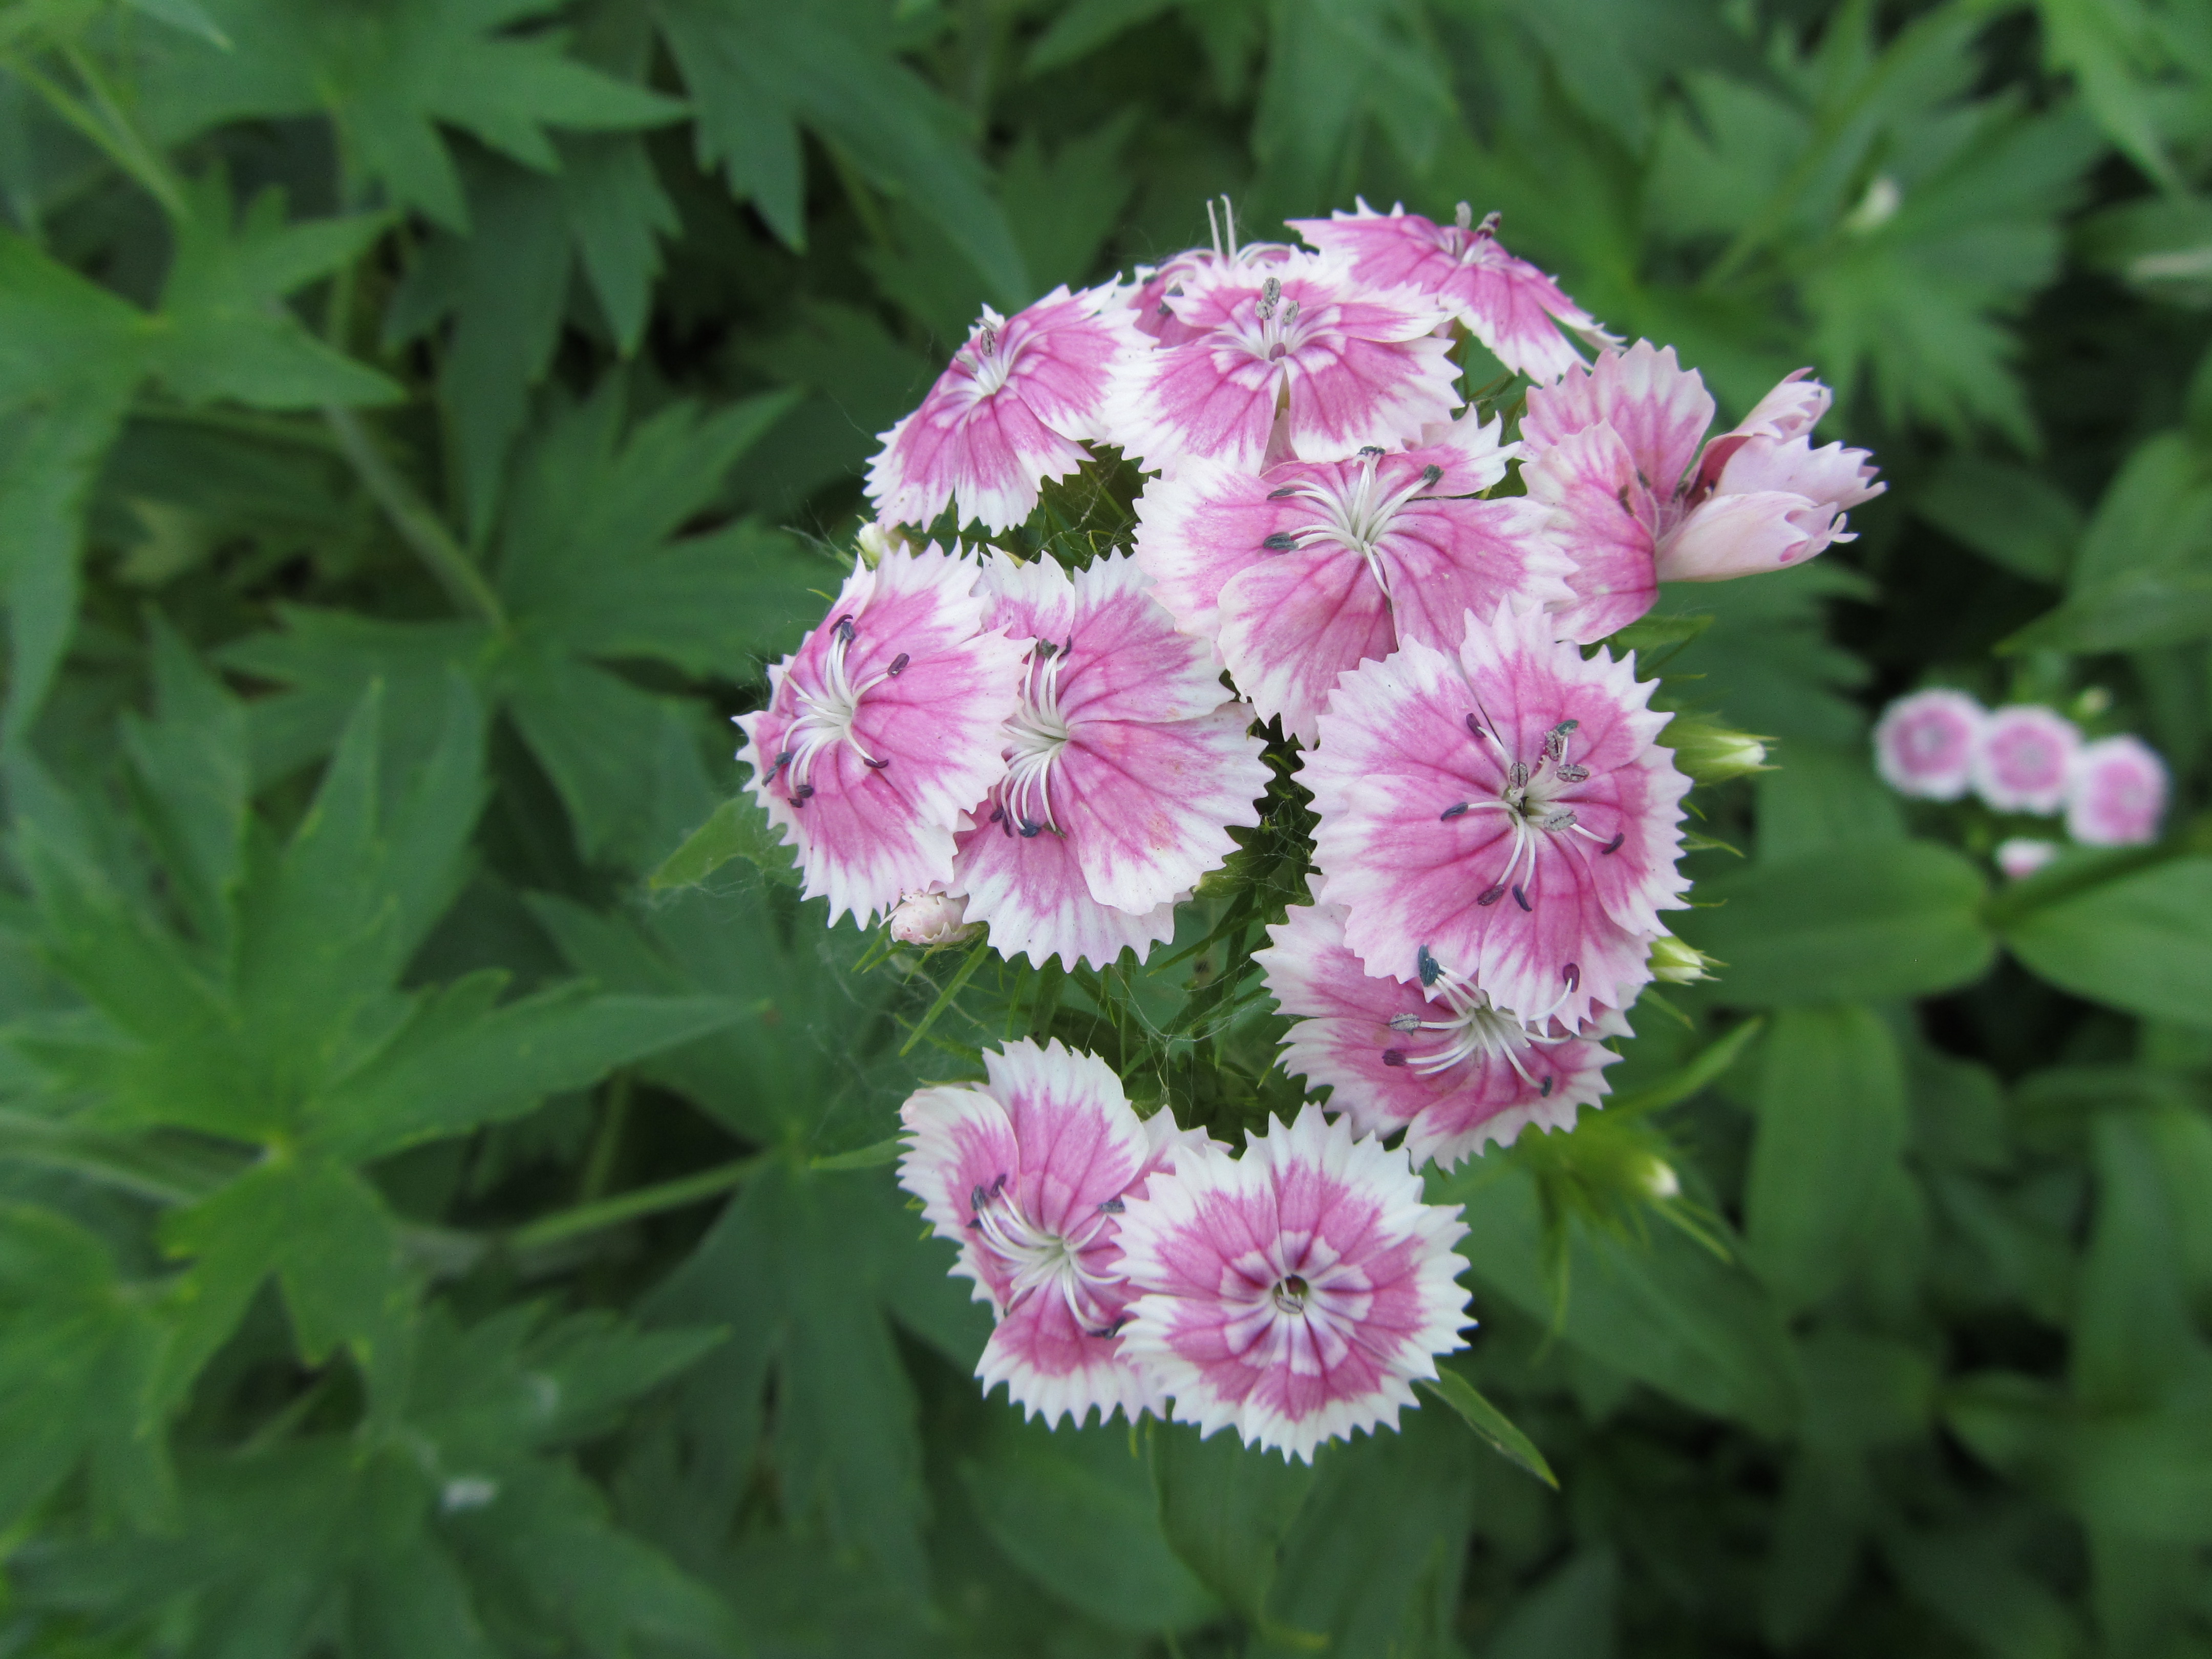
1373, 449
1473, 727
1453, 811
1490, 895
1281, 542
1568, 772
898, 664
1463, 216
1271, 295
1520, 898
1432, 473
1428, 966
878, 765
1614, 846
1407, 1023
843, 627
805, 792
1394, 1056
1278, 495
1112, 1206
1546, 1092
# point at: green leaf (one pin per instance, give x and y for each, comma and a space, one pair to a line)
1710, 1064
1084, 27
617, 214
2136, 1341
2012, 515
1226, 1509
738, 829
1333, 65
2142, 942
1496, 1430
1853, 923
192, 762
1831, 1127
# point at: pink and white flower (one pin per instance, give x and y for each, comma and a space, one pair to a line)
1029, 1173
1345, 367
1008, 413
1505, 302
1614, 454
2024, 758
882, 731
1925, 744
1294, 1293
1503, 811
1127, 764
1311, 568
1158, 285
1440, 1061
2116, 793
2021, 856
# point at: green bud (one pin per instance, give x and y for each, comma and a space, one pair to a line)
876, 539
1710, 752
1658, 1180
1674, 963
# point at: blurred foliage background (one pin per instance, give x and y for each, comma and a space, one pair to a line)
420, 423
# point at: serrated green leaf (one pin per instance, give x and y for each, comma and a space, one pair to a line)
191, 760
739, 828
618, 215
1496, 1430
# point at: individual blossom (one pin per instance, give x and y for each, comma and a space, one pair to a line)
1924, 744
931, 919
1504, 810
1158, 287
2024, 758
883, 730
1613, 453
1439, 1060
1294, 1293
1029, 1173
1505, 302
2021, 856
1008, 413
2116, 793
1127, 764
1345, 367
1311, 568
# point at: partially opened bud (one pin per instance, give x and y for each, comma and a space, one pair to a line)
1658, 1180
1674, 963
876, 539
1711, 752
931, 919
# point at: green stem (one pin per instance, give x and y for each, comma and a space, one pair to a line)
245, 422
109, 128
418, 526
630, 1206
614, 1117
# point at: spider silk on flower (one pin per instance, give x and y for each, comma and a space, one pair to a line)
1008, 413
883, 729
1505, 811
1294, 1293
1311, 568
1029, 1174
1440, 1061
1127, 764
1157, 286
1614, 452
1505, 302
1346, 366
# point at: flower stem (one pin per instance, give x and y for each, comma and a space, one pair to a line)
606, 1212
418, 525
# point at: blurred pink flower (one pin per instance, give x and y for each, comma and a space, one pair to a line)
1027, 1173
2116, 794
1293, 1293
1505, 811
2024, 758
1613, 452
1311, 568
1345, 367
1127, 763
883, 731
1007, 412
1924, 744
2021, 856
1442, 1062
1507, 304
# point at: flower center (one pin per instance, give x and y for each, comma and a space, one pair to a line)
1475, 1027
1290, 1295
1535, 801
1275, 333
1356, 514
1463, 239
825, 714
1039, 1258
1038, 733
992, 359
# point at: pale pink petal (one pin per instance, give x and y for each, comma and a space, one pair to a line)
1030, 892
1136, 665
1730, 536
1294, 1293
1601, 515
1155, 802
1198, 529
1836, 476
2023, 758
1452, 1073
1660, 409
958, 1138
1548, 904
900, 674
1792, 410
1290, 625
2116, 794
1054, 1366
1925, 744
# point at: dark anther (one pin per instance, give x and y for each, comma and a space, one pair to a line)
782, 760
1030, 828
1176, 292
1614, 846
1113, 1330
1278, 495
1473, 727
1520, 898
1429, 966
805, 792
1281, 542
1566, 726
1570, 773
1621, 496
1490, 895
1546, 1092
1518, 774
1453, 811
1572, 973
1407, 1023
978, 1198
1394, 1056
1112, 1206
1430, 473
1166, 310
843, 628
1000, 1185
877, 764
1068, 649
1370, 449
1045, 651
898, 664
996, 813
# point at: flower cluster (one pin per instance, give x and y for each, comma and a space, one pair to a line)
1940, 744
1407, 599
1294, 1293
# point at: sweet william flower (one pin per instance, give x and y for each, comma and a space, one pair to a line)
1030, 1172
1295, 1293
1505, 302
1613, 453
1311, 568
1440, 1061
883, 729
1158, 287
1925, 744
1008, 413
2023, 758
1127, 765
1504, 811
1345, 367
2116, 792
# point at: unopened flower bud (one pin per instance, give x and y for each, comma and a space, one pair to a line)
933, 919
1711, 753
876, 539
1674, 963
1658, 1180
2021, 856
